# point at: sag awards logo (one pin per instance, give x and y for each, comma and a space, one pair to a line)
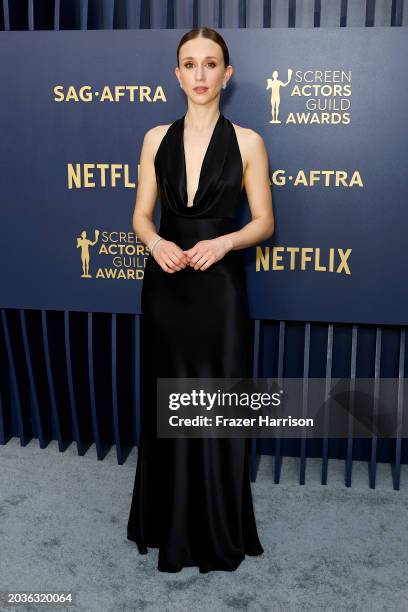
320, 97
115, 255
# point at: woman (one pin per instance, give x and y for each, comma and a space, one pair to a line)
192, 497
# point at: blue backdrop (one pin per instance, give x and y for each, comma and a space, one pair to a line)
75, 107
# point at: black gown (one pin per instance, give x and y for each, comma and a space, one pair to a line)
192, 497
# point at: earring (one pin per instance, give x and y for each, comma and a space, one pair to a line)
181, 86
224, 84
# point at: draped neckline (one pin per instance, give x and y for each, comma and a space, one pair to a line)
204, 163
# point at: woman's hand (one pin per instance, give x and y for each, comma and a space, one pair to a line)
169, 256
206, 252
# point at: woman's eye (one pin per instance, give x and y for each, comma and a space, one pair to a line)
212, 64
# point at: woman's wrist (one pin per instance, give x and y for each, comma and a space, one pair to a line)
153, 243
229, 242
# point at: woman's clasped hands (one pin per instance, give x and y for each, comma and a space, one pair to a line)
201, 256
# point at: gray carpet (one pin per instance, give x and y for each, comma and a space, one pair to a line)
63, 528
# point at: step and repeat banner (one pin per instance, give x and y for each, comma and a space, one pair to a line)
330, 105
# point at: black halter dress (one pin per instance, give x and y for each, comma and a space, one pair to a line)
192, 497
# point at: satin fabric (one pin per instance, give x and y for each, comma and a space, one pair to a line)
192, 497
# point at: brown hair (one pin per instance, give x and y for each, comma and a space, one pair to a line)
205, 33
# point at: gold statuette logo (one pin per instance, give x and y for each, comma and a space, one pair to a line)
84, 243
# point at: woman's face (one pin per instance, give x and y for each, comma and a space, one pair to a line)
202, 69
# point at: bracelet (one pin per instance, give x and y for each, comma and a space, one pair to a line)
153, 244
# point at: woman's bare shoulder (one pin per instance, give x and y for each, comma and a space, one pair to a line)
249, 141
247, 136
154, 136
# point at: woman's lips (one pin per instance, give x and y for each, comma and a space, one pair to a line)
200, 89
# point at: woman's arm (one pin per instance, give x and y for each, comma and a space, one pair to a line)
258, 190
167, 254
146, 193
